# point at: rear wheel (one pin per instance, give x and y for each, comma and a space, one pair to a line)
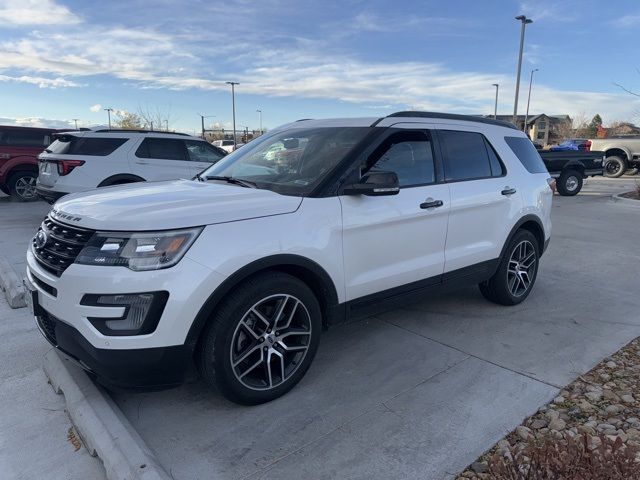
22, 186
261, 340
516, 273
5, 190
614, 167
569, 183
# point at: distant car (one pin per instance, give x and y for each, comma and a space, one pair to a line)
226, 145
622, 155
83, 160
577, 144
570, 168
19, 149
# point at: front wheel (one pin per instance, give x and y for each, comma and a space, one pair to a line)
262, 339
614, 167
516, 273
569, 183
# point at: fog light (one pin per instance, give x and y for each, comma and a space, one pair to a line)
141, 315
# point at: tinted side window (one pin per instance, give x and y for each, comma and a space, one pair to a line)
163, 148
72, 145
202, 152
527, 154
24, 138
465, 155
409, 155
497, 169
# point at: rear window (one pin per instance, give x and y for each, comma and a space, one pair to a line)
527, 154
91, 146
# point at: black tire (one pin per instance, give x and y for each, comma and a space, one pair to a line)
22, 186
499, 288
5, 190
614, 167
234, 330
569, 183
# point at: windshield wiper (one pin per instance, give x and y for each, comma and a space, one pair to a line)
199, 177
235, 181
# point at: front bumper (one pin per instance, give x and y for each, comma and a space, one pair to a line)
141, 369
153, 360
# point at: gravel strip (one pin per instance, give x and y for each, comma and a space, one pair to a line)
604, 401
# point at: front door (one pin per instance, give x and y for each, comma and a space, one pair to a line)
391, 241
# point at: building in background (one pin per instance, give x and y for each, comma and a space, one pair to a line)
542, 128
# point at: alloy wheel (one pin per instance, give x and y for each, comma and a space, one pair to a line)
571, 183
521, 268
26, 187
270, 342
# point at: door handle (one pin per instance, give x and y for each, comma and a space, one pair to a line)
508, 191
431, 203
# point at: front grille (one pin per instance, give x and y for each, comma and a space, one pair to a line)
62, 246
47, 323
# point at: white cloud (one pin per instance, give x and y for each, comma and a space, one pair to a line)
36, 122
95, 108
35, 12
626, 21
41, 82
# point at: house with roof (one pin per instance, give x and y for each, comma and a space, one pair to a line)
542, 128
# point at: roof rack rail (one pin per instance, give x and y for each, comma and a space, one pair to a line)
132, 130
454, 116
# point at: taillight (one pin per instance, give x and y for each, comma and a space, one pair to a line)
587, 145
66, 166
552, 184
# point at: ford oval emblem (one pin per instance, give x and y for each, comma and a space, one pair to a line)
40, 239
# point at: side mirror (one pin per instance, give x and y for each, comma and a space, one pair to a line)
375, 184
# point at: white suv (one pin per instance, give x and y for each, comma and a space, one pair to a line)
84, 160
242, 267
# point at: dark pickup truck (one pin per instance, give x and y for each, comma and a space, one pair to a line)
570, 168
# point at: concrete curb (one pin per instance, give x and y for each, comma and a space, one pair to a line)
102, 426
11, 284
627, 201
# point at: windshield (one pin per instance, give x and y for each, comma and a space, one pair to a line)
291, 162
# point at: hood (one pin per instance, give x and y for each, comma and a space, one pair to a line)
168, 205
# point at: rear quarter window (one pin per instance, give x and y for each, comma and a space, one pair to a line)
527, 154
90, 146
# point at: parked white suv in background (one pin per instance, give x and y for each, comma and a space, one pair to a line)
226, 145
241, 267
83, 160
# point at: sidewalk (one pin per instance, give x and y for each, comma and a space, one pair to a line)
34, 425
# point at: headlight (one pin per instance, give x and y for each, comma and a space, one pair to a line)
138, 251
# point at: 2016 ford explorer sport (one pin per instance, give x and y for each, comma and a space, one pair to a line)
240, 267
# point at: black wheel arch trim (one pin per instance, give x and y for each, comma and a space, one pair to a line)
120, 177
540, 235
331, 309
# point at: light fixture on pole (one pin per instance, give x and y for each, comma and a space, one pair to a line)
526, 116
524, 21
109, 110
233, 106
202, 117
260, 118
495, 108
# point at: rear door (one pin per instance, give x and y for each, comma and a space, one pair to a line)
202, 155
484, 198
161, 159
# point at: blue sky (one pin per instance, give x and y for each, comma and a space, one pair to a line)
64, 59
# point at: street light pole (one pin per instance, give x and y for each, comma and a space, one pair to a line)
526, 116
524, 21
233, 105
260, 117
109, 110
76, 121
495, 108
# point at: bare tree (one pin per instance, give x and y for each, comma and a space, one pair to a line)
155, 118
127, 120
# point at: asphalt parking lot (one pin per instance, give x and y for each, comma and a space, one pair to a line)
417, 392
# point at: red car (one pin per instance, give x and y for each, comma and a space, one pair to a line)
19, 150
